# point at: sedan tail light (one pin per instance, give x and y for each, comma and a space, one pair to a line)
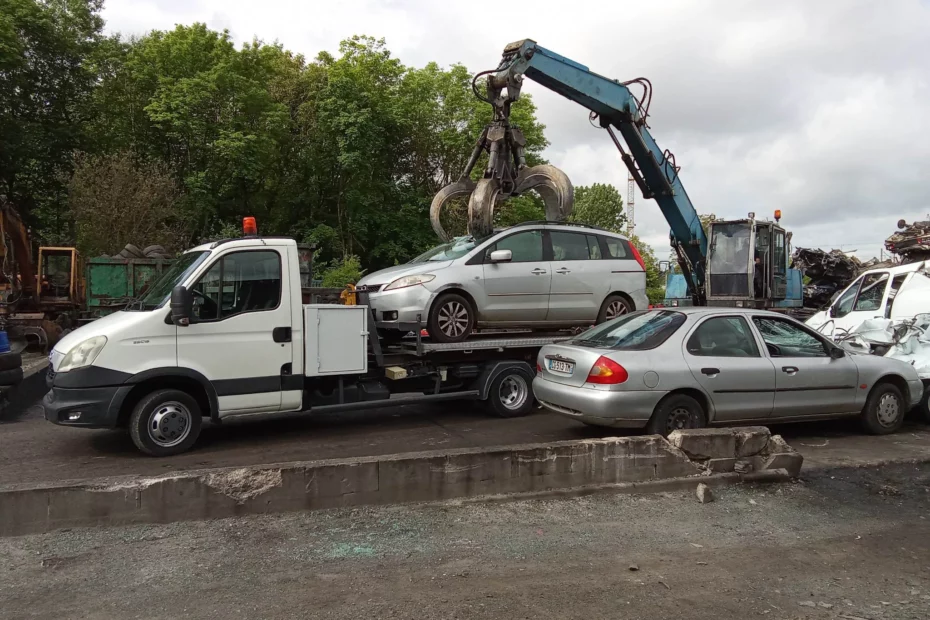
607, 372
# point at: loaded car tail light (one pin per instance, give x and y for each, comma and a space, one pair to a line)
538, 368
607, 372
638, 256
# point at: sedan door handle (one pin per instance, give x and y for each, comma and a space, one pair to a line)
539, 272
710, 372
563, 270
790, 369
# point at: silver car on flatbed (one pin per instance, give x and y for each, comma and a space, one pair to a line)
669, 369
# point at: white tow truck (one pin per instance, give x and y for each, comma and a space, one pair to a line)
225, 334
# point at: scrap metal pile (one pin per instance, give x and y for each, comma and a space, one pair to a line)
828, 272
911, 242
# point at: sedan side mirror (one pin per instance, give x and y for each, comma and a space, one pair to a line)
837, 353
501, 256
182, 306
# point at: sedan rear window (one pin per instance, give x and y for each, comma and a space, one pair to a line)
638, 331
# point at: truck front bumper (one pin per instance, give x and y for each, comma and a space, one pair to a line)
92, 407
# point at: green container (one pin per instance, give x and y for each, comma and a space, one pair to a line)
110, 283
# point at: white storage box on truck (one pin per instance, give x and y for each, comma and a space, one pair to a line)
224, 333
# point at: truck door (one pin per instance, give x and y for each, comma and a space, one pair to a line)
239, 336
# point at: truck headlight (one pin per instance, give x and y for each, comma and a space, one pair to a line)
83, 354
409, 281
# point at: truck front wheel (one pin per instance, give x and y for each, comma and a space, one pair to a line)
165, 422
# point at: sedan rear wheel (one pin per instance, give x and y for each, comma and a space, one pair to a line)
451, 319
884, 410
674, 413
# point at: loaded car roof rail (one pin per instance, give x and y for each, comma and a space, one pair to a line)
555, 223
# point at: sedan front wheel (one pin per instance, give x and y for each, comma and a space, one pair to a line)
884, 410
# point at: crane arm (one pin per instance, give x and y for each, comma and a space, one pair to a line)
614, 105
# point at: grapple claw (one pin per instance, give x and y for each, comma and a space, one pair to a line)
461, 188
553, 185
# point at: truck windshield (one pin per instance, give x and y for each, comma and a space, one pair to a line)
457, 248
160, 291
729, 259
638, 331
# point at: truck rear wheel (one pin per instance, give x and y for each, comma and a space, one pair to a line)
165, 422
510, 394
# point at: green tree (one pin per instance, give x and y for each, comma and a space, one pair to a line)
599, 205
116, 199
46, 81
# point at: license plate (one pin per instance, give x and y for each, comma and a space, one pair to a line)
560, 366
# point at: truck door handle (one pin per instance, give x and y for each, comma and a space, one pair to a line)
710, 372
281, 334
563, 270
791, 370
539, 272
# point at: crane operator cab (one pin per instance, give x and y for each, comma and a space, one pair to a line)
747, 264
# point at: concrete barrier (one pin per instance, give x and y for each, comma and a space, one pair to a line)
414, 477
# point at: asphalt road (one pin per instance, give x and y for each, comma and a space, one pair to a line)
842, 545
33, 450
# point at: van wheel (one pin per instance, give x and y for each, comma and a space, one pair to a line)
165, 422
451, 319
614, 306
510, 394
884, 410
675, 413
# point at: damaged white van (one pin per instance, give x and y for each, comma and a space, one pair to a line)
900, 292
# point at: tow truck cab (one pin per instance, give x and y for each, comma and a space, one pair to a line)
224, 333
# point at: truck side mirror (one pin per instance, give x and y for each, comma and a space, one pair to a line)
663, 266
182, 306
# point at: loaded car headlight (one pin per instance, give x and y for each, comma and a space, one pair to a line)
83, 354
409, 281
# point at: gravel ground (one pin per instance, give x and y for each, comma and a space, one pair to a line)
847, 544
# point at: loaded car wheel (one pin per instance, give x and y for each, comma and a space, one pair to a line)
451, 319
9, 361
510, 394
884, 410
674, 413
614, 306
924, 407
165, 422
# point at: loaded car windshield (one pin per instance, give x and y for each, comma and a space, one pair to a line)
638, 331
457, 248
159, 292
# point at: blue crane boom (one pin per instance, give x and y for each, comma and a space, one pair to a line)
614, 105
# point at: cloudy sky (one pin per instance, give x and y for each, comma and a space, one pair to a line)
819, 108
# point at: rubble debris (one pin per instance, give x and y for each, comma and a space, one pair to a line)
634, 568
828, 273
911, 241
704, 494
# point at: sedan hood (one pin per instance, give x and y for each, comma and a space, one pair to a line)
386, 276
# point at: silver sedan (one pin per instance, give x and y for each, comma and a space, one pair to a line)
692, 367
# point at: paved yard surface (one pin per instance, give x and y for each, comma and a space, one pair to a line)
845, 544
33, 450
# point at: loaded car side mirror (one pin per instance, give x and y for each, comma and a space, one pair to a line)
501, 256
837, 353
182, 305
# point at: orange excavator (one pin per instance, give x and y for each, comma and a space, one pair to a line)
37, 298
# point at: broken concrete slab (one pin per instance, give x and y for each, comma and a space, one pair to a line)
751, 440
705, 443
